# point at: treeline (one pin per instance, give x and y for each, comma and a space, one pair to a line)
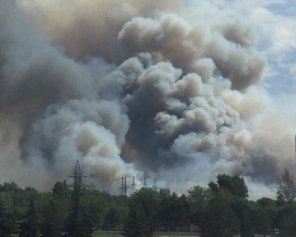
62, 212
221, 209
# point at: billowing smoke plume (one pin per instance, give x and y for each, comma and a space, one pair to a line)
134, 87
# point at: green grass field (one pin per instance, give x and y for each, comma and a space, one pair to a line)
175, 234
100, 233
157, 234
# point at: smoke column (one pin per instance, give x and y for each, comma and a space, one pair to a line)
134, 87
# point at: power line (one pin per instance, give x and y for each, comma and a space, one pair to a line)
77, 176
124, 189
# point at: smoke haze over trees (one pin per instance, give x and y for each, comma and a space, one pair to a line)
220, 209
131, 88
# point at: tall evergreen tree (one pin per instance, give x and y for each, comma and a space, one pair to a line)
287, 188
228, 213
142, 216
30, 226
7, 221
198, 200
52, 220
220, 219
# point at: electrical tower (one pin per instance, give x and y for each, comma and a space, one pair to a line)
295, 147
76, 224
124, 189
154, 187
145, 180
77, 176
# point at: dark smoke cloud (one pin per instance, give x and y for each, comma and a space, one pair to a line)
133, 87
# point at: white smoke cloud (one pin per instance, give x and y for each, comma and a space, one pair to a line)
136, 87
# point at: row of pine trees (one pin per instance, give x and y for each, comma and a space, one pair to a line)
222, 209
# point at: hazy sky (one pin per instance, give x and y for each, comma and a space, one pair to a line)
274, 23
141, 113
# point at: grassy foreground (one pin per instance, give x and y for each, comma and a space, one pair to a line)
101, 233
176, 234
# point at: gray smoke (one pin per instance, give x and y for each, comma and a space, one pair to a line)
133, 87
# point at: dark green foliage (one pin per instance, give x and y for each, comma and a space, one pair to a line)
53, 209
227, 212
78, 223
9, 187
60, 189
96, 204
50, 226
7, 224
183, 217
243, 212
220, 219
286, 219
270, 210
29, 228
112, 218
173, 211
7, 217
142, 216
261, 216
149, 210
198, 198
221, 210
233, 184
287, 188
53, 216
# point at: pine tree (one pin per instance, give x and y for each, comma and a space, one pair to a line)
29, 228
142, 216
51, 221
7, 222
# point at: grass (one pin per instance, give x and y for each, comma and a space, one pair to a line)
176, 234
101, 233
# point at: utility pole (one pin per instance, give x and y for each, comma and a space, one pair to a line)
75, 226
295, 147
77, 185
77, 176
145, 183
145, 180
154, 187
124, 188
125, 198
134, 184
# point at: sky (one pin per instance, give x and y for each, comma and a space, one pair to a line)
150, 88
274, 23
